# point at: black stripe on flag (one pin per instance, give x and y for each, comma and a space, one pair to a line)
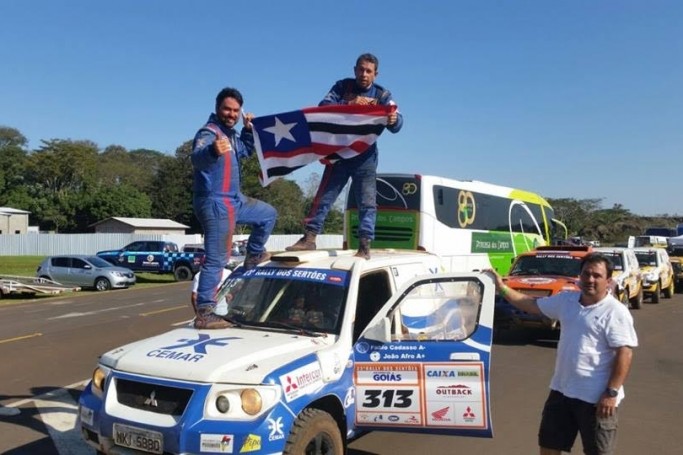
279, 171
335, 128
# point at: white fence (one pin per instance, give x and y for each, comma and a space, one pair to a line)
52, 244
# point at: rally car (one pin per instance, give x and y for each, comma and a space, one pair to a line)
388, 343
540, 272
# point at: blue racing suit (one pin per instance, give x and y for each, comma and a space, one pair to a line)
362, 169
219, 204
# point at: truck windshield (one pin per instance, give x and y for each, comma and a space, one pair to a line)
563, 265
289, 298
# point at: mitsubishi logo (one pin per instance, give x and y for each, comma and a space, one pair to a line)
152, 401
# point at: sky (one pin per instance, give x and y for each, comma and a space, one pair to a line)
577, 99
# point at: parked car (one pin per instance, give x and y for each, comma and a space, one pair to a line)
627, 275
86, 272
658, 276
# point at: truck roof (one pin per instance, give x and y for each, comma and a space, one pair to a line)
345, 259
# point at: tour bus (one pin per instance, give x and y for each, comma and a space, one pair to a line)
473, 225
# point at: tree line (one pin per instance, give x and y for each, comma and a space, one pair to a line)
68, 185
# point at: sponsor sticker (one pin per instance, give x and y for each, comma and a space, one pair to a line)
252, 443
301, 381
222, 443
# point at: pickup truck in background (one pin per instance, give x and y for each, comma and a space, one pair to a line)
156, 256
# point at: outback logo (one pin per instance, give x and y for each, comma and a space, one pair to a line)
454, 390
440, 415
198, 345
275, 428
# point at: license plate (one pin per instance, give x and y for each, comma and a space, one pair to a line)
137, 438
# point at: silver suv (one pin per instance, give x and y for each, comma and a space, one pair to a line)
86, 272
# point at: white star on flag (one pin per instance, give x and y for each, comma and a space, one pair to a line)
281, 131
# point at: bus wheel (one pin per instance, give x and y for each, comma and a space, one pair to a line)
314, 432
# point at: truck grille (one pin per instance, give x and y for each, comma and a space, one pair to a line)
153, 397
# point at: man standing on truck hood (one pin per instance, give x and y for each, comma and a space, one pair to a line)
219, 203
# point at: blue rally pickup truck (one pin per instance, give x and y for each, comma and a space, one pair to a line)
156, 256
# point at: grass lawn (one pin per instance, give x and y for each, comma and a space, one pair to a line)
27, 265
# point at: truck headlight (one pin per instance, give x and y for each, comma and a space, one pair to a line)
251, 401
234, 402
99, 379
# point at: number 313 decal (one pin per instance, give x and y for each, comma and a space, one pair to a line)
388, 398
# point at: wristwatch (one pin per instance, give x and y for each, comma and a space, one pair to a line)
612, 392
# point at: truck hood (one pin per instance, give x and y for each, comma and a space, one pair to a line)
552, 283
226, 356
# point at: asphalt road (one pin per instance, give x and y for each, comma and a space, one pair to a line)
49, 348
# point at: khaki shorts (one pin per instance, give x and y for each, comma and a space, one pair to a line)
563, 418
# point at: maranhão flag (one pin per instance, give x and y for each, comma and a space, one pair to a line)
285, 142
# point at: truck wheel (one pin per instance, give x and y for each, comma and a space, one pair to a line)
314, 433
182, 273
624, 297
669, 291
637, 301
657, 292
102, 284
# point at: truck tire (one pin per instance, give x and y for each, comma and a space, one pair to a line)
657, 293
102, 284
182, 273
669, 291
314, 432
637, 301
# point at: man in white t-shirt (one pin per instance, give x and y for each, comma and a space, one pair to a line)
222, 305
594, 357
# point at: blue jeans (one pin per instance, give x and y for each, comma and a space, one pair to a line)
218, 220
363, 173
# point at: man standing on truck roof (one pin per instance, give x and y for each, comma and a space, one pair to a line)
362, 169
219, 203
594, 355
